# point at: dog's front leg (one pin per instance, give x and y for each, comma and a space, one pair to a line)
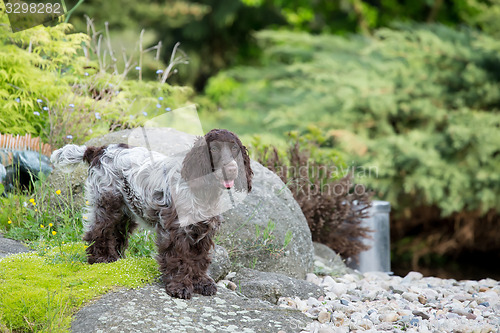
175, 264
184, 256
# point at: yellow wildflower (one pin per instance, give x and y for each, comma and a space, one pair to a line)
87, 202
42, 226
58, 192
36, 210
32, 200
9, 222
50, 224
54, 232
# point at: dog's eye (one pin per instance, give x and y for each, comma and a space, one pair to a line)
234, 148
214, 149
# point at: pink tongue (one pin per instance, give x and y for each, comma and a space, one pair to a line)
228, 183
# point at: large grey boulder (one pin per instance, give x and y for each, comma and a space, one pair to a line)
271, 286
150, 309
270, 205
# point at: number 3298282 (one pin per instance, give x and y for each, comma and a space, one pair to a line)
33, 8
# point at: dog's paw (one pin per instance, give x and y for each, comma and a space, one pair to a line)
206, 287
179, 290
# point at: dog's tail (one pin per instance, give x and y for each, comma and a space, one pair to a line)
68, 157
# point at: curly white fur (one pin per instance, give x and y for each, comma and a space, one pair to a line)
67, 159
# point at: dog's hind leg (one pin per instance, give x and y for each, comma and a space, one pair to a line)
108, 232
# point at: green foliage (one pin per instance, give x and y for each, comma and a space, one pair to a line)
34, 64
49, 89
214, 34
217, 34
45, 216
419, 104
482, 14
40, 291
364, 15
142, 244
319, 149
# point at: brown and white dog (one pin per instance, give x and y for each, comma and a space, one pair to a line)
131, 185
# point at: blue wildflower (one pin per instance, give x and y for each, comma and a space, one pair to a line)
145, 113
18, 100
69, 136
71, 105
86, 74
36, 113
45, 108
168, 109
160, 98
158, 105
137, 68
39, 100
97, 115
160, 71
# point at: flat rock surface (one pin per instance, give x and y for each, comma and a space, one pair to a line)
10, 246
271, 286
150, 309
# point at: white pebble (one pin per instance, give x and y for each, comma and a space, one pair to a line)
389, 317
411, 297
324, 317
412, 276
338, 289
328, 281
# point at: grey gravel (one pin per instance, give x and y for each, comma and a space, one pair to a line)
395, 304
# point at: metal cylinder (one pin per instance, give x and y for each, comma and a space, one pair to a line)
378, 257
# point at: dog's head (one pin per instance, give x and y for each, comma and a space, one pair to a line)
218, 159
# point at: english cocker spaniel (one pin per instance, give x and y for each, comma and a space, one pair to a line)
179, 196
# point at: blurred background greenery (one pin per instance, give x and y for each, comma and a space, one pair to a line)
411, 88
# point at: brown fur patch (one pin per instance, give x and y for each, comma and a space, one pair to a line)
93, 154
124, 146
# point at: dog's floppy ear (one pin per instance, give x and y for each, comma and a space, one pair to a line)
245, 173
197, 162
